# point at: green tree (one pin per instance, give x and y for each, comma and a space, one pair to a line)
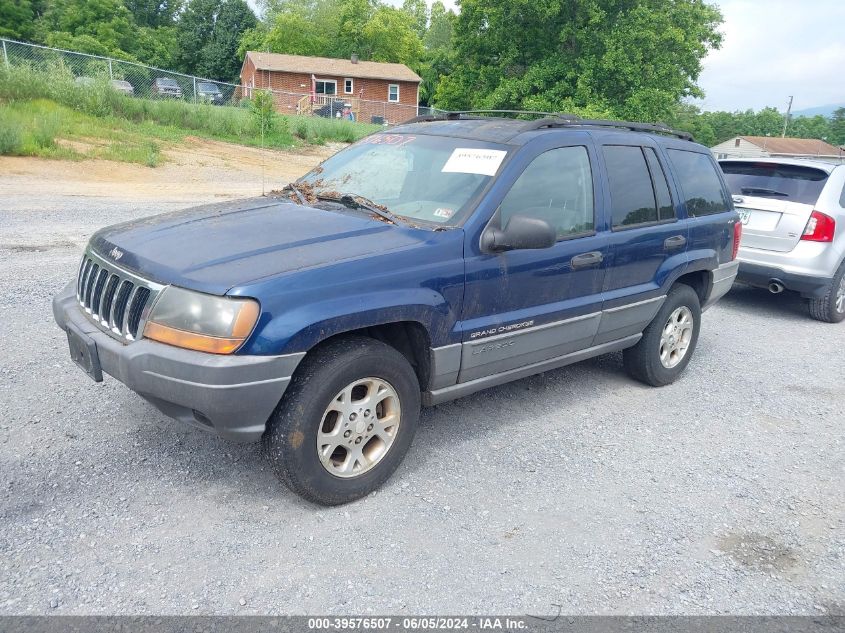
16, 19
389, 36
418, 11
837, 127
438, 37
810, 127
193, 32
294, 33
208, 33
101, 27
154, 13
219, 58
156, 47
631, 58
337, 28
353, 15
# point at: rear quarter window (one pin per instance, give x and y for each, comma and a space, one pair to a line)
700, 183
794, 183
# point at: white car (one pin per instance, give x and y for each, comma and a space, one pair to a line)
793, 212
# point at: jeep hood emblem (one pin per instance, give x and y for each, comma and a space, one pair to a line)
116, 253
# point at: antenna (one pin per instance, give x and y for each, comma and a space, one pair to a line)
263, 121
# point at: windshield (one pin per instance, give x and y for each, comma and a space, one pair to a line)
208, 87
168, 83
794, 183
428, 178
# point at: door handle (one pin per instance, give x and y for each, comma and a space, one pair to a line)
587, 259
676, 241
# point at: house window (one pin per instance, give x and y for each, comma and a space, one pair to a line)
393, 93
737, 142
325, 87
348, 87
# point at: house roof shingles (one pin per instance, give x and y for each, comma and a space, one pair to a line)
799, 146
334, 67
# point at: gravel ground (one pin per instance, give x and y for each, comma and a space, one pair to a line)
722, 493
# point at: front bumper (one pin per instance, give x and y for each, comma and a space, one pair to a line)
232, 396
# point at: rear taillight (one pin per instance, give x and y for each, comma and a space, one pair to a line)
820, 228
737, 239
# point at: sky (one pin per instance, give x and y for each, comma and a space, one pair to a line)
773, 49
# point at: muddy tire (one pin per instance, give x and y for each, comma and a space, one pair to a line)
346, 421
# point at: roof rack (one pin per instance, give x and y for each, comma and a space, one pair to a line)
555, 120
574, 121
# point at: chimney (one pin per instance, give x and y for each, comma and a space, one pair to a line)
354, 58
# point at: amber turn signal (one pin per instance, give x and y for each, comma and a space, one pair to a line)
191, 340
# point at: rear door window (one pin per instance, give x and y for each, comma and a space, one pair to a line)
700, 183
632, 198
793, 183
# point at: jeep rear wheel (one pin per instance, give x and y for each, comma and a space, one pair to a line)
346, 421
669, 341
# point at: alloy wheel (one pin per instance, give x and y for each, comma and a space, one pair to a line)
676, 337
358, 427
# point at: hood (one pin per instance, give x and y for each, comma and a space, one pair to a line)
215, 247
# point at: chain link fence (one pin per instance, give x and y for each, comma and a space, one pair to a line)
148, 82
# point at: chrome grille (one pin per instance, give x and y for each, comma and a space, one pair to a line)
114, 299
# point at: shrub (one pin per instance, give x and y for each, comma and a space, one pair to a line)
263, 110
45, 129
10, 137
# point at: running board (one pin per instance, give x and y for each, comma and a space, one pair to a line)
430, 398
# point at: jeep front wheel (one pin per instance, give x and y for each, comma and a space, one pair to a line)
345, 422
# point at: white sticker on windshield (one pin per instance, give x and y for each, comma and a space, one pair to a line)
465, 160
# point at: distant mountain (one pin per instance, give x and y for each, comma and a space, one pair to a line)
825, 110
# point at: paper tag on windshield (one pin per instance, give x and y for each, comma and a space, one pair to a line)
466, 160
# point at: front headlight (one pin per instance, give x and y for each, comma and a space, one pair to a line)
201, 322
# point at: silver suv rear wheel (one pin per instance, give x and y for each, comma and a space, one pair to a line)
831, 307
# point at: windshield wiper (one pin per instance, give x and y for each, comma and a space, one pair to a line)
750, 191
354, 201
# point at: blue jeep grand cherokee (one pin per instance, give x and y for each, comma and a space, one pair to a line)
416, 266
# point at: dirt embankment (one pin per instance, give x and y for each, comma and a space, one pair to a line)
198, 169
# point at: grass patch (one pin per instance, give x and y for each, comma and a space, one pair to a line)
38, 106
36, 128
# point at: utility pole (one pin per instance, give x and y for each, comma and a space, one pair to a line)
786, 118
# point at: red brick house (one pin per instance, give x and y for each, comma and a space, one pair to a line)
371, 91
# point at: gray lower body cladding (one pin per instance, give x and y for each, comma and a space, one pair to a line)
722, 280
492, 361
232, 396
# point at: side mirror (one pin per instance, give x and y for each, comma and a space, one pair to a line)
521, 232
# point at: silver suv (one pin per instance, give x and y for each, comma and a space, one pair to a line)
793, 212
